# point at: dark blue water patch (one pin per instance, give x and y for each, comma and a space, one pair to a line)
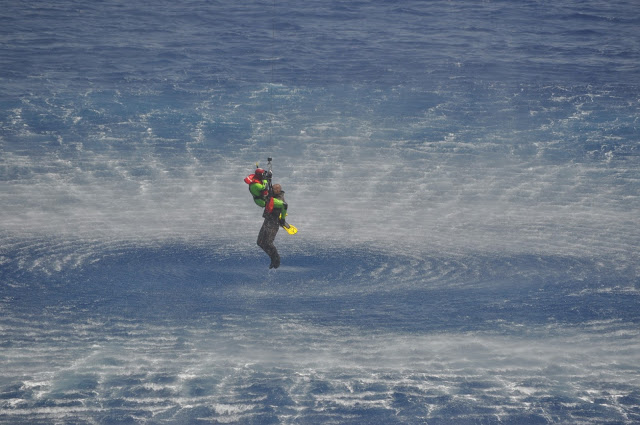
409, 404
114, 416
15, 391
179, 282
465, 310
143, 391
367, 42
631, 399
201, 387
189, 415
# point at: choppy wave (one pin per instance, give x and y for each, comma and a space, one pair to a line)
464, 175
441, 177
284, 369
175, 332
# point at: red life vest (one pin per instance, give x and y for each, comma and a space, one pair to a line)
251, 178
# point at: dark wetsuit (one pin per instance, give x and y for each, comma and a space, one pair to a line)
268, 233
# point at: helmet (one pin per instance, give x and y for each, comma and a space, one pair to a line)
259, 172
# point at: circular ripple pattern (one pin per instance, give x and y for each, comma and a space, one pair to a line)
465, 177
179, 333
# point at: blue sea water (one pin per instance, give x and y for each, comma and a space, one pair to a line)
465, 176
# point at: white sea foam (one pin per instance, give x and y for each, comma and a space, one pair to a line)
327, 370
344, 186
466, 190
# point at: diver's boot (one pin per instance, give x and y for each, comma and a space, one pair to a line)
275, 262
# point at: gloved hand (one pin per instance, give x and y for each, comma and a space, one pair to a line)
269, 175
282, 222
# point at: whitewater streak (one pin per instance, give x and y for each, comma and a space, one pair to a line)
178, 373
348, 180
464, 176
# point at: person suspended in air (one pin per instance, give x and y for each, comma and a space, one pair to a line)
271, 198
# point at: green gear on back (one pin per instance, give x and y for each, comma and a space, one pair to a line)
256, 190
279, 205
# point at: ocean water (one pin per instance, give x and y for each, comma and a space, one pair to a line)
465, 177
